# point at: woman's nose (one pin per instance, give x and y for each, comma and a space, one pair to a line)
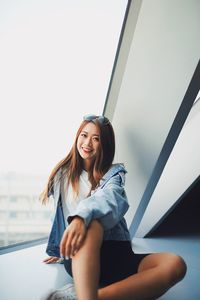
88, 141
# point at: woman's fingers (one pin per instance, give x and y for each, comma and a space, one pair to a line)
73, 238
51, 259
75, 245
68, 246
79, 243
71, 241
66, 243
63, 243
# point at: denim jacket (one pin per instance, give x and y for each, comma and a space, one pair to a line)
108, 203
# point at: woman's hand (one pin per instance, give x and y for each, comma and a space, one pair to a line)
51, 260
73, 237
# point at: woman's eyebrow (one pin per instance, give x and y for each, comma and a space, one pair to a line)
95, 134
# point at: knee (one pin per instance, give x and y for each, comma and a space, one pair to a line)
181, 267
177, 268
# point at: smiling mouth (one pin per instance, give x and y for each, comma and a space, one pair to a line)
87, 150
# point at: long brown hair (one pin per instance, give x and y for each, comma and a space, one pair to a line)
72, 164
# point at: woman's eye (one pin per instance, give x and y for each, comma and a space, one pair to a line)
96, 139
83, 134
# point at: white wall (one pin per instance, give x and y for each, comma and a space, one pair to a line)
163, 55
182, 168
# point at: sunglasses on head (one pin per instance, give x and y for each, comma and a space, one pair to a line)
101, 119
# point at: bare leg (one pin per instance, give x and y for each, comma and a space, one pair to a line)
85, 264
156, 274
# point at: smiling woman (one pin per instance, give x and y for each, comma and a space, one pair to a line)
49, 53
89, 231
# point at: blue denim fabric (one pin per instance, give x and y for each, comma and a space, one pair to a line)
56, 233
108, 203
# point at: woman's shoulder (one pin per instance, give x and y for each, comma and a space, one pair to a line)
60, 175
116, 174
116, 168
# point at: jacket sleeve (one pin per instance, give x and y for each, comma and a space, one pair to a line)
108, 204
55, 193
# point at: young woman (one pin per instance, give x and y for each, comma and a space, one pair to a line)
89, 230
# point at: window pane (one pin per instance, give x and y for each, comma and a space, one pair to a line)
56, 59
197, 97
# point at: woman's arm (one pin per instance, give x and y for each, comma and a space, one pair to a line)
108, 204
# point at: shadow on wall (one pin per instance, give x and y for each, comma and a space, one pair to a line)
138, 146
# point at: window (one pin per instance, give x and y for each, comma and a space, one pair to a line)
197, 97
56, 60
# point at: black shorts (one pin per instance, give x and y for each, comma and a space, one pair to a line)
117, 262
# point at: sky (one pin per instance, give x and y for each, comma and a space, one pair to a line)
56, 59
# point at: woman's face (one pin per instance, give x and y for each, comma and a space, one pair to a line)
88, 143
